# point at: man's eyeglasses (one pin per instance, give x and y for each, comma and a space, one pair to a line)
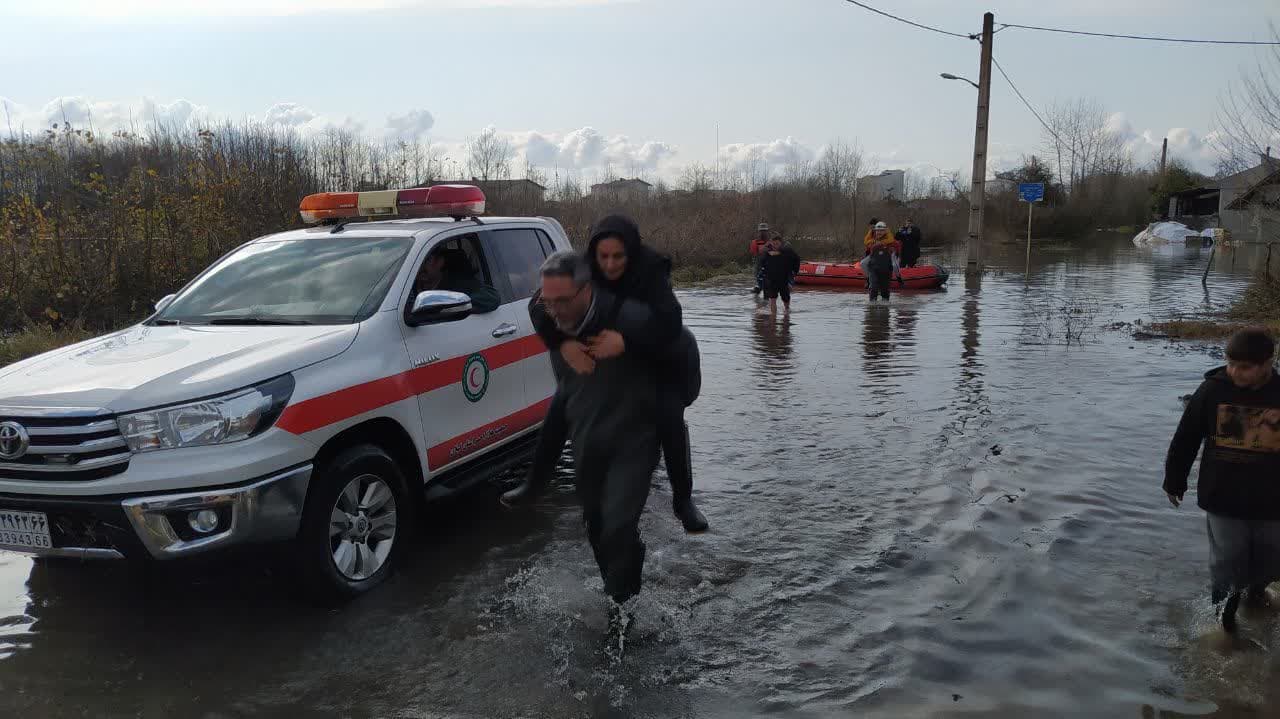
560, 302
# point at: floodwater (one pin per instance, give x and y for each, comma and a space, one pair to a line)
949, 506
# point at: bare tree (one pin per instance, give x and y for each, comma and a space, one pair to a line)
1250, 119
533, 174
798, 170
697, 177
1250, 115
755, 169
566, 186
838, 168
416, 163
489, 156
1081, 143
958, 180
917, 185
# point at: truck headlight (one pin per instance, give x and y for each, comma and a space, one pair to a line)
218, 420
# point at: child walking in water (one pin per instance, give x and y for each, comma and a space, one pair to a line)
1235, 415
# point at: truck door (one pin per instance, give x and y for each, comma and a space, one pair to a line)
467, 374
520, 253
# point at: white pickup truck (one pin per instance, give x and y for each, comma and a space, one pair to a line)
304, 389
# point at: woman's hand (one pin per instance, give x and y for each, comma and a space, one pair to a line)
577, 356
606, 345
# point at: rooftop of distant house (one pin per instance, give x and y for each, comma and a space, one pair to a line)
622, 182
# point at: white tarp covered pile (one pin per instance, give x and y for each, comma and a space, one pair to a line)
1164, 233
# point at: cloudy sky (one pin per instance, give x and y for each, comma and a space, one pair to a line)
635, 85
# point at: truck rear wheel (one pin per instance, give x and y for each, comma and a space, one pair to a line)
354, 526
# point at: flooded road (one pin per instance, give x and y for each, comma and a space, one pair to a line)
949, 506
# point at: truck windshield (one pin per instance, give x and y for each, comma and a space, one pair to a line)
337, 280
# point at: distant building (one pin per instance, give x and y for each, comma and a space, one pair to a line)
1249, 207
1246, 204
890, 185
623, 191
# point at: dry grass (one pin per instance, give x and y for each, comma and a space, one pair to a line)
692, 275
1189, 330
1206, 329
1258, 306
35, 340
1260, 301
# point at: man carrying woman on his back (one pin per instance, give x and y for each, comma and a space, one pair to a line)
881, 261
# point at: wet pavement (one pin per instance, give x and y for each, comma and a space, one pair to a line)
947, 506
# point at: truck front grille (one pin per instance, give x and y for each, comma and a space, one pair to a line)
61, 445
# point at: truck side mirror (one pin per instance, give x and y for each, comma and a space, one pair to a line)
436, 306
164, 302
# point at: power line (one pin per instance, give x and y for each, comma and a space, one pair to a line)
1139, 37
1030, 107
864, 6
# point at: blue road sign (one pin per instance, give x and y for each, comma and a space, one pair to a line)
1031, 191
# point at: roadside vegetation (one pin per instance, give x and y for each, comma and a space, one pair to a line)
94, 228
1259, 305
37, 339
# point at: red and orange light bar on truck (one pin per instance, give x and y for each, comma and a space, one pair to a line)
456, 201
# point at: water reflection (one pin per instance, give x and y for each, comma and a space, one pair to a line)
904, 338
972, 404
172, 640
877, 350
773, 349
970, 340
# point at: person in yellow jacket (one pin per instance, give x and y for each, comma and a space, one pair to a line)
866, 239
881, 262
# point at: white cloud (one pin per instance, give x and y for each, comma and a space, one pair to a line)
774, 154
307, 121
587, 148
650, 154
582, 148
540, 150
103, 116
410, 126
179, 113
82, 113
289, 114
1185, 144
106, 116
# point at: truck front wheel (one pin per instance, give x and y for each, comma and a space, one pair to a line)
354, 525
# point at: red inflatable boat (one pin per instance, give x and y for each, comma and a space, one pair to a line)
840, 274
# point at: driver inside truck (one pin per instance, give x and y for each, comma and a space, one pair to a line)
449, 268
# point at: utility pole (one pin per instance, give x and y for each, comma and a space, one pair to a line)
977, 193
1164, 152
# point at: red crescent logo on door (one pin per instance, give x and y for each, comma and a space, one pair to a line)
475, 377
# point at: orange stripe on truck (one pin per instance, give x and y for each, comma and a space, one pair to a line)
324, 410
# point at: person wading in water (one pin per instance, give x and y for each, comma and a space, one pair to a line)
623, 266
910, 238
1235, 416
881, 261
610, 406
777, 270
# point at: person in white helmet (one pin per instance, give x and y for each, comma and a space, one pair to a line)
882, 261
